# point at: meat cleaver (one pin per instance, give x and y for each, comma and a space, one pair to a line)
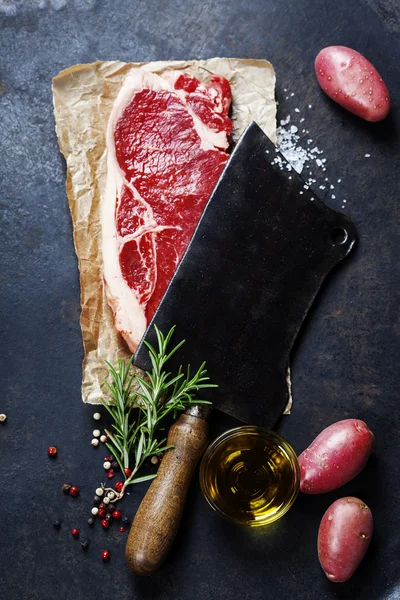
239, 296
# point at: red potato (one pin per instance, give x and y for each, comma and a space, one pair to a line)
343, 537
337, 455
353, 82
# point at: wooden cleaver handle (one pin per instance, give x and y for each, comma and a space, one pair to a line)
158, 517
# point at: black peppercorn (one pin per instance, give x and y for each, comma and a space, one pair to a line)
111, 508
126, 520
108, 517
65, 488
90, 521
111, 457
96, 500
114, 465
84, 544
57, 524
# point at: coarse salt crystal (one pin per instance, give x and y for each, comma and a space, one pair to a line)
297, 110
367, 156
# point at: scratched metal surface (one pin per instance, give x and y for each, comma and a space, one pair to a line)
345, 364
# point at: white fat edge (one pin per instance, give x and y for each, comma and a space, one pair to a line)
129, 314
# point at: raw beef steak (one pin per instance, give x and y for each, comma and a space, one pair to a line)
166, 142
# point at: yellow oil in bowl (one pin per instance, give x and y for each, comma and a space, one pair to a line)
250, 476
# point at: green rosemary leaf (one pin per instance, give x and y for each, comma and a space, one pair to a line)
163, 449
116, 456
144, 478
114, 440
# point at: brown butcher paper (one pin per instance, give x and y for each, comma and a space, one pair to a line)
83, 96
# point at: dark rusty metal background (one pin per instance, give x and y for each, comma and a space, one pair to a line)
345, 364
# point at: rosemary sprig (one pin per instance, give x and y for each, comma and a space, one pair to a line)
137, 413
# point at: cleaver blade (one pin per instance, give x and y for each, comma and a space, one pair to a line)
258, 257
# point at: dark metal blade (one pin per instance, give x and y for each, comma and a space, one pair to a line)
258, 257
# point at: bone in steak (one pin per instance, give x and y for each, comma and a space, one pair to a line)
166, 148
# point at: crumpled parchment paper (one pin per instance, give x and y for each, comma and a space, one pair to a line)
83, 96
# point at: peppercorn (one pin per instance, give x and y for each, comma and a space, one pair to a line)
102, 512
107, 465
103, 438
128, 472
75, 533
154, 460
52, 451
116, 514
111, 495
97, 416
96, 500
122, 529
57, 524
126, 520
118, 486
65, 488
111, 508
99, 491
115, 465
74, 491
108, 517
106, 500
105, 524
95, 442
90, 521
3, 418
105, 555
95, 511
84, 544
110, 473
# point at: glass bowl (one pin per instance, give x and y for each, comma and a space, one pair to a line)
250, 476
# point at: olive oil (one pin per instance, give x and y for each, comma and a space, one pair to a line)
250, 475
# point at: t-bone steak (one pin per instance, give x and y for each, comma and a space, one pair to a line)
167, 138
